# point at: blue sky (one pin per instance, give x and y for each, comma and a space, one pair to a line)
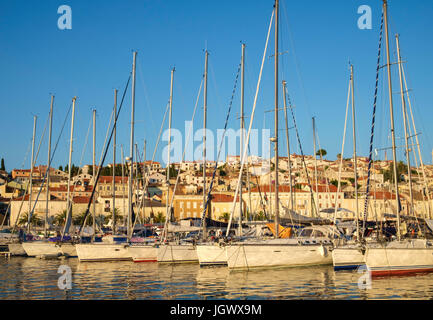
89, 61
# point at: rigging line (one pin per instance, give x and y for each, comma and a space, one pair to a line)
342, 153
80, 170
417, 115
372, 127
298, 72
250, 126
45, 176
81, 159
183, 158
257, 179
220, 147
146, 96
302, 152
323, 166
106, 136
146, 175
16, 187
42, 138
106, 150
417, 142
215, 84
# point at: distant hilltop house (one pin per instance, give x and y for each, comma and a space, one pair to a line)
38, 174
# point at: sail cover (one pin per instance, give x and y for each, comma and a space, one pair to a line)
429, 224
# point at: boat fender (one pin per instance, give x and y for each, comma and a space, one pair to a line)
323, 251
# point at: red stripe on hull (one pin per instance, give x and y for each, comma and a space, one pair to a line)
381, 273
146, 260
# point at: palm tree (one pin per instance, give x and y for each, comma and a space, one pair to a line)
159, 218
60, 218
79, 219
225, 217
35, 220
117, 216
260, 216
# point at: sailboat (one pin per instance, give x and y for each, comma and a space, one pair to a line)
276, 252
213, 253
181, 251
149, 252
351, 256
401, 256
114, 250
43, 248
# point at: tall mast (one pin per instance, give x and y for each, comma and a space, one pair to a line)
288, 144
114, 163
418, 147
277, 200
242, 133
354, 152
68, 197
403, 105
94, 173
131, 153
204, 142
123, 180
49, 166
136, 178
144, 181
391, 110
31, 173
316, 204
168, 207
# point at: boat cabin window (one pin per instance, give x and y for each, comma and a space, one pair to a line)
318, 234
306, 233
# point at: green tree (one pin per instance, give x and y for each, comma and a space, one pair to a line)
222, 172
335, 183
260, 216
159, 218
2, 166
60, 218
321, 152
79, 219
60, 168
35, 220
173, 171
117, 216
225, 217
388, 174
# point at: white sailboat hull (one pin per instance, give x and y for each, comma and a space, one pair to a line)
41, 248
400, 258
211, 254
346, 258
102, 252
180, 253
143, 253
268, 255
68, 250
16, 249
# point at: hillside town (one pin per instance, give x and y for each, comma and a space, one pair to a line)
300, 190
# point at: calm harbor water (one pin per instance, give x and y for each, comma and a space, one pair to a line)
32, 278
